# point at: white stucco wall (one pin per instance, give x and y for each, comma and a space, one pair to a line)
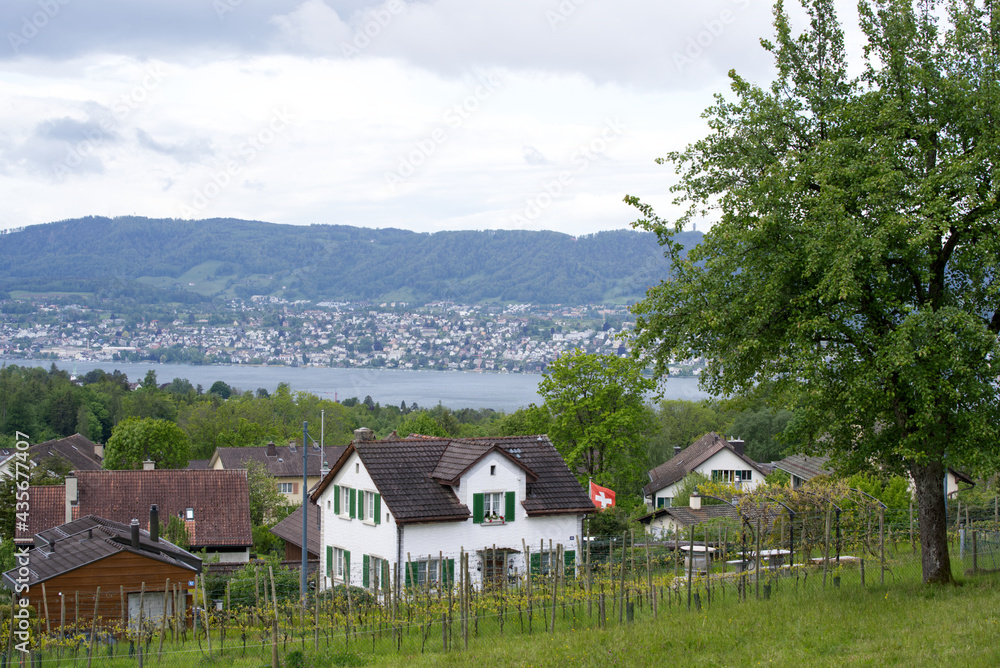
448, 539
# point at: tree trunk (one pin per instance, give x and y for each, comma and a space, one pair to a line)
928, 481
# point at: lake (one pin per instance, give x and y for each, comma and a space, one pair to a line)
454, 389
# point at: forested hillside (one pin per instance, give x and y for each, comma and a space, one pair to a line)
179, 260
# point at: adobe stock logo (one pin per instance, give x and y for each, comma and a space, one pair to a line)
713, 29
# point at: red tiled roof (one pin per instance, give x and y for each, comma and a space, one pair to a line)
46, 509
220, 501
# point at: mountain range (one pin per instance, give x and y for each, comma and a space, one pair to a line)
165, 260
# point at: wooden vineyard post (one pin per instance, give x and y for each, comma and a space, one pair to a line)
124, 611
621, 592
690, 565
138, 625
590, 578
527, 578
756, 556
913, 544
62, 615
826, 549
881, 541
204, 609
555, 586
93, 627
274, 626
316, 610
163, 620
45, 606
76, 609
649, 578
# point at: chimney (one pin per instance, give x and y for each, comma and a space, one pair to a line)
677, 450
695, 502
291, 446
737, 445
98, 450
135, 533
154, 523
148, 465
272, 450
72, 495
364, 434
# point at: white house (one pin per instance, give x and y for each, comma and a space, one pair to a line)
406, 508
712, 456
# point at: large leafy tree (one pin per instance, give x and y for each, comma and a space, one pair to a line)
853, 265
135, 440
599, 416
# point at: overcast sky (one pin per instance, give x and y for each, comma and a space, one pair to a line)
432, 115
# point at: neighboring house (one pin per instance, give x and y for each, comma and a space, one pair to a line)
406, 508
74, 559
81, 453
668, 519
214, 506
804, 468
712, 456
290, 531
283, 462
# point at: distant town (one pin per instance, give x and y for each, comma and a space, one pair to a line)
511, 338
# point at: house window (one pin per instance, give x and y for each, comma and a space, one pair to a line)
345, 501
189, 514
341, 564
493, 469
493, 508
368, 507
732, 476
374, 567
285, 487
664, 501
493, 505
430, 572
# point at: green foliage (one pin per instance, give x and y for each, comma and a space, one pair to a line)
221, 388
265, 542
761, 431
893, 491
850, 271
778, 478
599, 418
266, 502
135, 440
681, 423
176, 532
613, 521
693, 482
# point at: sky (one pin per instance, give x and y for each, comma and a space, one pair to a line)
428, 116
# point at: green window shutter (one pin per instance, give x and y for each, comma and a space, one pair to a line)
477, 508
409, 573
511, 508
569, 559
336, 499
536, 563
354, 503
378, 509
347, 566
364, 571
449, 572
329, 561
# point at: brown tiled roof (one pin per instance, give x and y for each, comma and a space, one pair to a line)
74, 544
197, 464
46, 509
460, 455
404, 472
76, 449
688, 459
290, 528
804, 466
285, 464
687, 516
220, 499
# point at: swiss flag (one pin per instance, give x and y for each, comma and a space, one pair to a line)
601, 496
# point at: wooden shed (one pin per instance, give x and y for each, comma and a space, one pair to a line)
131, 567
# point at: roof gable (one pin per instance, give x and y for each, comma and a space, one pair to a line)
690, 458
414, 475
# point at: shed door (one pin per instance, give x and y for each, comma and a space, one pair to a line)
152, 607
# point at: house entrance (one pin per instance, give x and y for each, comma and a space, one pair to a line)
498, 564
